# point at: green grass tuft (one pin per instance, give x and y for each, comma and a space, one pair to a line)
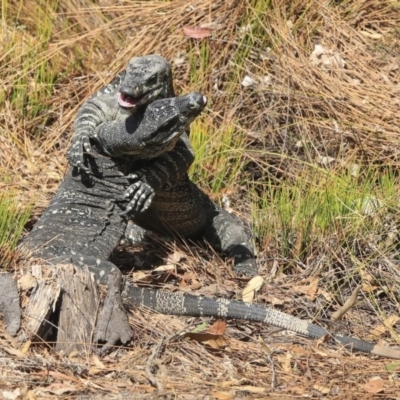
13, 217
220, 155
299, 214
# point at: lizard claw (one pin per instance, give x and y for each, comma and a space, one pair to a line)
141, 195
86, 144
79, 148
134, 177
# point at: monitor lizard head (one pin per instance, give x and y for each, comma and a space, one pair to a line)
165, 120
153, 132
146, 79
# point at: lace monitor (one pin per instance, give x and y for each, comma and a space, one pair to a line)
83, 224
172, 210
162, 198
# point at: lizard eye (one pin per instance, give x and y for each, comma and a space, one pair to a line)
152, 80
169, 125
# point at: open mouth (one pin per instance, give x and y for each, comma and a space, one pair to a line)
126, 101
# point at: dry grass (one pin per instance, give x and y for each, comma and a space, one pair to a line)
316, 140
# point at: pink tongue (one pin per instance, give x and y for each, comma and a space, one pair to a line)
126, 101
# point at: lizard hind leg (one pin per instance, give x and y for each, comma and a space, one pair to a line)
134, 235
225, 233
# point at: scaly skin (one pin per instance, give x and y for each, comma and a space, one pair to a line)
201, 306
83, 222
162, 198
145, 80
82, 225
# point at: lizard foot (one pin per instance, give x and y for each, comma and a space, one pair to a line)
248, 268
113, 325
141, 195
134, 235
9, 303
79, 149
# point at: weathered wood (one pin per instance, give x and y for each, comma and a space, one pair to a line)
42, 304
67, 299
79, 309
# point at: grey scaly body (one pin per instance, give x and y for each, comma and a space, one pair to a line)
162, 198
145, 79
201, 306
82, 224
181, 209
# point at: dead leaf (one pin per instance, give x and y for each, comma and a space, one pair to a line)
322, 389
374, 385
387, 324
310, 290
97, 362
251, 288
224, 395
14, 352
250, 389
219, 343
141, 276
58, 375
163, 268
25, 347
285, 361
196, 32
214, 341
176, 257
371, 35
60, 388
313, 288
248, 81
350, 302
297, 389
227, 384
275, 301
264, 345
217, 328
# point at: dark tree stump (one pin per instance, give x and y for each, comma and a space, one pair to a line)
72, 295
